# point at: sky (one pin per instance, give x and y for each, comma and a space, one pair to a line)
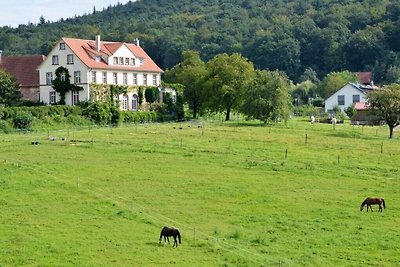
15, 12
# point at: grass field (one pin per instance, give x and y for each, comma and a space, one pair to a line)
242, 194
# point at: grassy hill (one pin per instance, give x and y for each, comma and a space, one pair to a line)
242, 194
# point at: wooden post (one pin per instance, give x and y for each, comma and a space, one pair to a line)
202, 128
194, 234
306, 139
338, 159
381, 147
181, 141
286, 154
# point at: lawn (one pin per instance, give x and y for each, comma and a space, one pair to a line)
241, 193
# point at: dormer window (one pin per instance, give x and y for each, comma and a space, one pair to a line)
121, 61
141, 61
127, 61
98, 58
62, 46
54, 60
115, 61
133, 62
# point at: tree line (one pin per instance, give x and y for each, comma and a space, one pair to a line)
292, 36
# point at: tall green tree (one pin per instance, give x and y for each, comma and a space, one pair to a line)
267, 97
9, 89
190, 73
334, 81
385, 103
227, 78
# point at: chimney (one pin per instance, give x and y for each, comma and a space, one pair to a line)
98, 43
137, 42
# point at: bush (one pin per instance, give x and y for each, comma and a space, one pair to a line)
98, 113
4, 126
23, 120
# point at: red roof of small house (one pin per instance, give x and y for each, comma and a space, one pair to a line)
23, 68
365, 77
86, 51
361, 106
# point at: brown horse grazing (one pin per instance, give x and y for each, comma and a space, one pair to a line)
373, 201
166, 232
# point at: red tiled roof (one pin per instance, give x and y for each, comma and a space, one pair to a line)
365, 77
361, 106
86, 49
23, 68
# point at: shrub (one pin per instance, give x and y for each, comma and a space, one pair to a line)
98, 113
4, 126
23, 120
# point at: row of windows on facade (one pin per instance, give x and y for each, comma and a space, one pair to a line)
117, 61
77, 78
55, 61
126, 104
341, 99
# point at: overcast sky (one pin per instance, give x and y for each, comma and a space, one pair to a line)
15, 12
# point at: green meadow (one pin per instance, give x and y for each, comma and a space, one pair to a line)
241, 194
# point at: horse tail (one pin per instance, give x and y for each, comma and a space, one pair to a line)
383, 202
179, 236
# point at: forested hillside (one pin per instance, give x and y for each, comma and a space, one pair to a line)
290, 35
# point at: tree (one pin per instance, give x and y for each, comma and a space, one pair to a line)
62, 84
227, 78
267, 97
334, 81
190, 73
9, 89
151, 95
385, 103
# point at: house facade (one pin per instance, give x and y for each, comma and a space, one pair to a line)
95, 65
348, 95
25, 71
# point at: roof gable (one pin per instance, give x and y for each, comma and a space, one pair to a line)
86, 51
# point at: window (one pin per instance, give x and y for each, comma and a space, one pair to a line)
340, 100
54, 60
141, 61
75, 98
154, 79
356, 98
134, 79
104, 77
77, 77
121, 61
125, 78
144, 79
134, 102
70, 59
125, 102
52, 97
62, 46
94, 79
115, 78
127, 61
49, 78
115, 60
62, 76
133, 62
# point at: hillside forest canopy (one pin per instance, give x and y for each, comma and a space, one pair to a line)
295, 37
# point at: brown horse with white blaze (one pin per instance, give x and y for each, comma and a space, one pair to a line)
369, 201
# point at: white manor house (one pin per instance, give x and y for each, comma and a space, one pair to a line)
94, 64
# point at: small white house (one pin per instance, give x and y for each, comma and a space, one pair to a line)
349, 94
94, 65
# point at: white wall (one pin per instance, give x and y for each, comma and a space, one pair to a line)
348, 91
